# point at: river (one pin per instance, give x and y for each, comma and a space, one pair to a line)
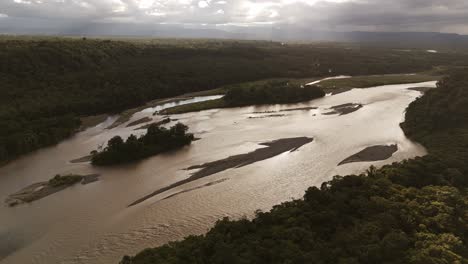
92, 223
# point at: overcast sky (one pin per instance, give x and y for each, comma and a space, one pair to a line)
321, 15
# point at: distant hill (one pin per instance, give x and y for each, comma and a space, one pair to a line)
430, 40
394, 39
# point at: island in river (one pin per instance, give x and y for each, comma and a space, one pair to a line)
373, 153
156, 140
344, 109
255, 93
40, 190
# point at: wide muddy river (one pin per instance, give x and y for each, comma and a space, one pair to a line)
93, 224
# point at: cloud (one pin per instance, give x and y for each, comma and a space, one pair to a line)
344, 15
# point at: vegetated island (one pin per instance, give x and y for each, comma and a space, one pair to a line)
344, 109
273, 148
333, 86
156, 140
413, 211
373, 153
268, 92
40, 190
164, 121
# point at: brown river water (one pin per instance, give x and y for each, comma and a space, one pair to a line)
92, 223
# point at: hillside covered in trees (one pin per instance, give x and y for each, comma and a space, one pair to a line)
48, 83
156, 140
414, 212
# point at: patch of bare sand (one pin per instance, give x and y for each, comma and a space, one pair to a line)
373, 153
273, 148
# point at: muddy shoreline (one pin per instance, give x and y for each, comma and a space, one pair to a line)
344, 109
39, 190
373, 153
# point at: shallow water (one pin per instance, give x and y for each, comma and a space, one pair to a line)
92, 223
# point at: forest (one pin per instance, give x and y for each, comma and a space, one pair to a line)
47, 84
157, 139
415, 211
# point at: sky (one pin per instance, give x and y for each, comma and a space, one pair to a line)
122, 17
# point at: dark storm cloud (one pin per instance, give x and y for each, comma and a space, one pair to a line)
381, 15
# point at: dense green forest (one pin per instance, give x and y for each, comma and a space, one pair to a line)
254, 93
156, 140
48, 83
415, 211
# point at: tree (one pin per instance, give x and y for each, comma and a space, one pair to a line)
179, 129
115, 142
